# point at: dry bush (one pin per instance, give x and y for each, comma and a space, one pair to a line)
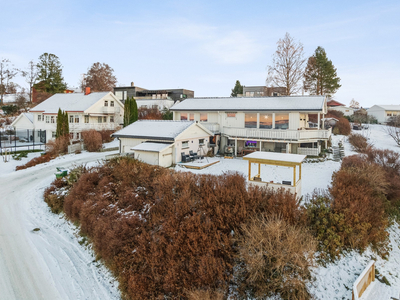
277, 258
334, 114
92, 140
149, 114
343, 126
35, 161
181, 224
54, 195
358, 190
106, 135
58, 146
205, 295
359, 142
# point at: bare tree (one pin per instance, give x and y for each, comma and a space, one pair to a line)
7, 72
354, 104
393, 129
21, 99
287, 67
100, 77
30, 77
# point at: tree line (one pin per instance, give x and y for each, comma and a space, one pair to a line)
290, 69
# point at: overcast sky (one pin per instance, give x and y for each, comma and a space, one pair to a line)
206, 46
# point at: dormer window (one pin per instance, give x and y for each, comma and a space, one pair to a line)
106, 103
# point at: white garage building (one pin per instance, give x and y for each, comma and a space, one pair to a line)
162, 142
383, 113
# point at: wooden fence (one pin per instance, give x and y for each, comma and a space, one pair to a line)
364, 280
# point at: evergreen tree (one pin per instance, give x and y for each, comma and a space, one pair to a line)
320, 76
130, 111
60, 122
65, 123
50, 77
238, 89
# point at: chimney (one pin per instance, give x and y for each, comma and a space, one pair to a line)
132, 83
87, 91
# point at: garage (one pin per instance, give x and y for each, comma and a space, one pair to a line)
159, 154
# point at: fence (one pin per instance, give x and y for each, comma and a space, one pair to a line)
364, 280
24, 139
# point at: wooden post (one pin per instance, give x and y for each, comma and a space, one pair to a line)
300, 172
260, 144
319, 120
249, 170
259, 169
294, 175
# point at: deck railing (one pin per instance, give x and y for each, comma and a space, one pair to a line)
364, 280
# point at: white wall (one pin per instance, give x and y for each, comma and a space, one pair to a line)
23, 123
379, 113
347, 111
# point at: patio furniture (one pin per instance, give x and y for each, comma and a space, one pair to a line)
193, 155
185, 157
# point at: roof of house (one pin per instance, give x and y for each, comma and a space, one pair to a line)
273, 156
154, 129
289, 103
151, 147
69, 102
389, 107
334, 103
29, 116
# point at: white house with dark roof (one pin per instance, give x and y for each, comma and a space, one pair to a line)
383, 113
277, 124
163, 142
86, 111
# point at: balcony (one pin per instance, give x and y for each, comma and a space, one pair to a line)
110, 109
277, 134
213, 127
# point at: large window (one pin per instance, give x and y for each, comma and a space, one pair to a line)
106, 103
266, 121
100, 119
52, 119
203, 117
250, 120
112, 103
191, 117
185, 144
111, 119
86, 119
47, 119
281, 121
76, 119
184, 117
71, 119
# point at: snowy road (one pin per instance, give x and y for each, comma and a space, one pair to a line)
50, 263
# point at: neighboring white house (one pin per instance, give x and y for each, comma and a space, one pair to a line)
277, 124
85, 111
160, 104
24, 121
383, 113
162, 142
335, 105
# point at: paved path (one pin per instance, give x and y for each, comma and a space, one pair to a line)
46, 264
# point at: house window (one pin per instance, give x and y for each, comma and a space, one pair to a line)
86, 119
77, 135
154, 106
266, 121
100, 119
104, 119
250, 120
231, 115
201, 142
143, 106
53, 134
106, 103
47, 119
388, 114
52, 119
112, 103
191, 117
111, 119
203, 117
185, 144
71, 135
184, 117
76, 119
281, 121
71, 119
39, 117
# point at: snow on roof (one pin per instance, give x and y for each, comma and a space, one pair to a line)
155, 129
389, 107
69, 102
283, 157
29, 116
300, 103
151, 147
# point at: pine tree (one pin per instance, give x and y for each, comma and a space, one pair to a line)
238, 89
65, 123
130, 111
135, 114
60, 122
320, 77
50, 77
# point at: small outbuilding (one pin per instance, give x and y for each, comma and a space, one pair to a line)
277, 159
163, 143
23, 121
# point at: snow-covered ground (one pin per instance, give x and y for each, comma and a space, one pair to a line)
49, 263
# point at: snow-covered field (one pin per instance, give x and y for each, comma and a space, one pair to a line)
52, 264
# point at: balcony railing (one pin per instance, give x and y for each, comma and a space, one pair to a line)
110, 109
213, 127
277, 134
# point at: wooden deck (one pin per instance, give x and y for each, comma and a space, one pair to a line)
198, 165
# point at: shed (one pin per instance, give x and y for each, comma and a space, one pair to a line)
159, 154
277, 159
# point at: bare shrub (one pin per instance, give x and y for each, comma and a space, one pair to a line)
205, 295
277, 258
149, 114
92, 140
106, 135
358, 142
58, 146
343, 126
334, 114
394, 132
54, 195
35, 161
